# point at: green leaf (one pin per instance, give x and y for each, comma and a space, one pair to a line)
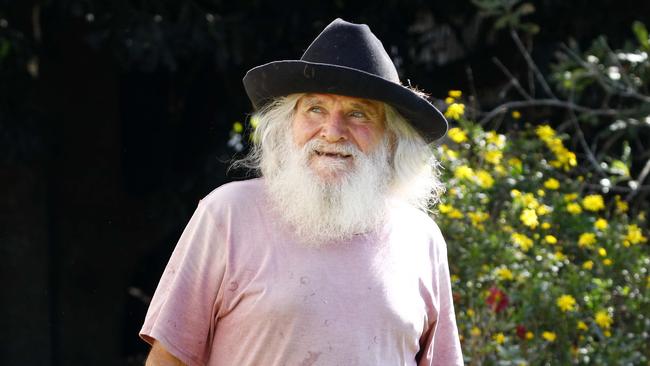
619, 168
530, 28
505, 21
525, 9
4, 48
641, 33
627, 153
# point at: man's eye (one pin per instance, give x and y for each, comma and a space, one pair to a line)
316, 109
358, 114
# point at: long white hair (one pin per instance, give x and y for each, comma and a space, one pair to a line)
415, 170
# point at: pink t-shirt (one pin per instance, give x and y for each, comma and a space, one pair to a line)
240, 290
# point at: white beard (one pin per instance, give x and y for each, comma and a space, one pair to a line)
323, 212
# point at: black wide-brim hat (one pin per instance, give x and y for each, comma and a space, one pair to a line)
345, 59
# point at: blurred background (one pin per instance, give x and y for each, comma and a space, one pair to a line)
116, 117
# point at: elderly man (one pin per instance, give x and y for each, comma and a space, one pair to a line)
329, 258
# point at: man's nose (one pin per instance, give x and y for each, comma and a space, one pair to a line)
334, 128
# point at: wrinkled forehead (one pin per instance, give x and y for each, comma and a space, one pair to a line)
318, 98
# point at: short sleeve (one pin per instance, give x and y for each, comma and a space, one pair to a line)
441, 343
181, 315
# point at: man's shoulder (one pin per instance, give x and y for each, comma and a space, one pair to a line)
408, 213
234, 194
415, 221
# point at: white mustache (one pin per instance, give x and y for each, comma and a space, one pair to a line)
320, 147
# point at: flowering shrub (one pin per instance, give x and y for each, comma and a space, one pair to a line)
544, 271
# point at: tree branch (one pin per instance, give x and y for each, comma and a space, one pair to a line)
546, 103
531, 63
513, 80
583, 142
618, 189
642, 176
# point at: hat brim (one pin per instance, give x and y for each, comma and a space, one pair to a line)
280, 78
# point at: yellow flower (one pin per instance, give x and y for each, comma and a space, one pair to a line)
514, 193
451, 154
504, 274
566, 303
552, 184
582, 325
457, 135
621, 206
515, 163
587, 240
529, 201
455, 214
470, 312
455, 111
254, 121
607, 333
546, 225
521, 241
593, 202
499, 141
449, 100
602, 252
574, 208
559, 256
463, 172
478, 218
588, 265
484, 179
543, 210
445, 208
607, 262
529, 218
530, 335
450, 211
634, 235
550, 239
570, 197
475, 332
549, 336
499, 338
541, 193
237, 127
545, 132
493, 157
516, 114
455, 93
601, 224
603, 319
565, 159
454, 278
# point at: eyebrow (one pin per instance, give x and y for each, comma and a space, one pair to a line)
311, 100
363, 104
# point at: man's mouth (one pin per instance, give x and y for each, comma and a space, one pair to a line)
332, 154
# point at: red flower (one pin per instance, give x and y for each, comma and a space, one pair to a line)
457, 297
521, 331
497, 299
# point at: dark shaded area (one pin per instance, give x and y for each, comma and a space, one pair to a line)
114, 118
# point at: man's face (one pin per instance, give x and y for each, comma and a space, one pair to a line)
334, 123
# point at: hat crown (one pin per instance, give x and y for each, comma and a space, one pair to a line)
351, 45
